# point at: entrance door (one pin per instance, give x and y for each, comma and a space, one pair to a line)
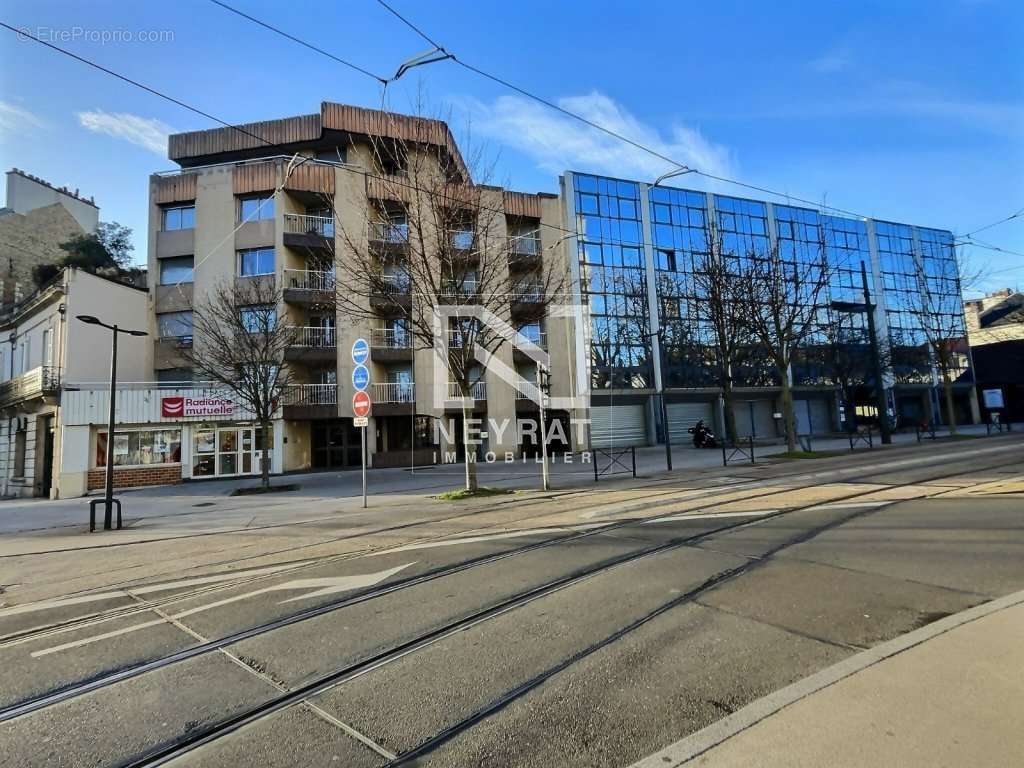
227, 451
335, 444
47, 456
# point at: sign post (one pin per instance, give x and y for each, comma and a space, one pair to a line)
361, 400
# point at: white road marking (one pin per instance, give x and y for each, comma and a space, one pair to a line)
337, 584
143, 590
850, 505
709, 516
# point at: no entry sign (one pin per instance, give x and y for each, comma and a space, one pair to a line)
361, 404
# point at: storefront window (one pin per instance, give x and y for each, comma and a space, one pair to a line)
158, 446
227, 451
204, 457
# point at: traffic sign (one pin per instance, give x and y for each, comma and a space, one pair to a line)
361, 421
360, 351
361, 404
360, 377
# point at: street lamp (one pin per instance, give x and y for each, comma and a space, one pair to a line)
108, 496
869, 310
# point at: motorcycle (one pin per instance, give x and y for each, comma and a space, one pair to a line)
702, 436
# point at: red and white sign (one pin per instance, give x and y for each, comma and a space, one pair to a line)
179, 407
361, 404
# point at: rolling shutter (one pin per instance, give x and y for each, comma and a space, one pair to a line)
754, 417
617, 425
812, 417
682, 416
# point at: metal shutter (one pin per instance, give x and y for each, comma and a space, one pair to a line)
821, 417
802, 413
617, 425
682, 416
754, 418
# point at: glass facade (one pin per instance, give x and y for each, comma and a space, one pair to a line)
684, 229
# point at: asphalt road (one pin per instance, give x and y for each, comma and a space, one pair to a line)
590, 627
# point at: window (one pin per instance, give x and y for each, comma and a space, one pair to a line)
20, 442
174, 325
173, 377
179, 217
48, 346
176, 270
256, 261
154, 446
261, 319
256, 208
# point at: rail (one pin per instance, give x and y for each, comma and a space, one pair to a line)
394, 392
388, 232
315, 337
390, 338
309, 280
304, 224
33, 383
477, 391
524, 245
738, 451
310, 394
615, 461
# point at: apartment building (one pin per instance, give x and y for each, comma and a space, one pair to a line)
637, 241
47, 356
241, 209
36, 218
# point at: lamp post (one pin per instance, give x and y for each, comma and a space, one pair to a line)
869, 310
108, 496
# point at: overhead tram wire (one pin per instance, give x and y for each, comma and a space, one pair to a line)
238, 128
614, 134
1011, 217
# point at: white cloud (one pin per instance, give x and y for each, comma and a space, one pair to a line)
148, 133
14, 118
559, 143
832, 62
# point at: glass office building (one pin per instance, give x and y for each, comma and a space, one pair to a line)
639, 252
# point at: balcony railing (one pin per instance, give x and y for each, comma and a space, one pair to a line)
477, 391
459, 290
392, 283
34, 383
461, 339
526, 390
395, 233
310, 394
315, 337
394, 392
301, 224
309, 280
524, 245
390, 338
540, 338
528, 294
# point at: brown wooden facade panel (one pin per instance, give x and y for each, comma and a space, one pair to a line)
174, 189
312, 178
394, 188
288, 130
255, 177
522, 204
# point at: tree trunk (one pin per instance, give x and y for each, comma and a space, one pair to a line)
264, 457
729, 415
470, 460
947, 389
788, 419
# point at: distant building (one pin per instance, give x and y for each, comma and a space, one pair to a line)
995, 327
36, 218
44, 351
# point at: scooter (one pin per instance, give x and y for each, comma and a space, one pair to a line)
702, 436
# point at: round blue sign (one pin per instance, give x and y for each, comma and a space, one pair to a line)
360, 351
360, 377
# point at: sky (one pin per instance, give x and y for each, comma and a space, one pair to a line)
904, 111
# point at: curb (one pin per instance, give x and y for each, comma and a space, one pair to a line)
696, 744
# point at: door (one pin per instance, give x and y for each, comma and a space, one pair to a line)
617, 426
227, 451
47, 479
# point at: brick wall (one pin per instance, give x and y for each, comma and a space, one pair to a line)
136, 476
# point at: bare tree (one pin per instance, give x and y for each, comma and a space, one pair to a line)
782, 299
720, 307
434, 241
937, 306
844, 355
240, 343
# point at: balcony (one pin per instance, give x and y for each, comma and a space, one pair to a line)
527, 301
37, 383
527, 394
309, 287
460, 291
388, 237
313, 344
169, 352
390, 345
394, 398
312, 232
310, 401
391, 293
540, 338
524, 252
477, 391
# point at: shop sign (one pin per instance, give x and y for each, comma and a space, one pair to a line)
179, 407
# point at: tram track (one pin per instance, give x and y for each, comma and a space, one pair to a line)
201, 737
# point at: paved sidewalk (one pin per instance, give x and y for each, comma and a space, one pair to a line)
948, 694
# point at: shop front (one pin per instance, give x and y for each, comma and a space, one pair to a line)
161, 436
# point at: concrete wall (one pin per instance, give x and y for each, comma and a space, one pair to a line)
28, 193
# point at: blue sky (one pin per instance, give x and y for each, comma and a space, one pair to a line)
905, 111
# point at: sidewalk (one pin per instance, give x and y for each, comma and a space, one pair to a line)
948, 694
